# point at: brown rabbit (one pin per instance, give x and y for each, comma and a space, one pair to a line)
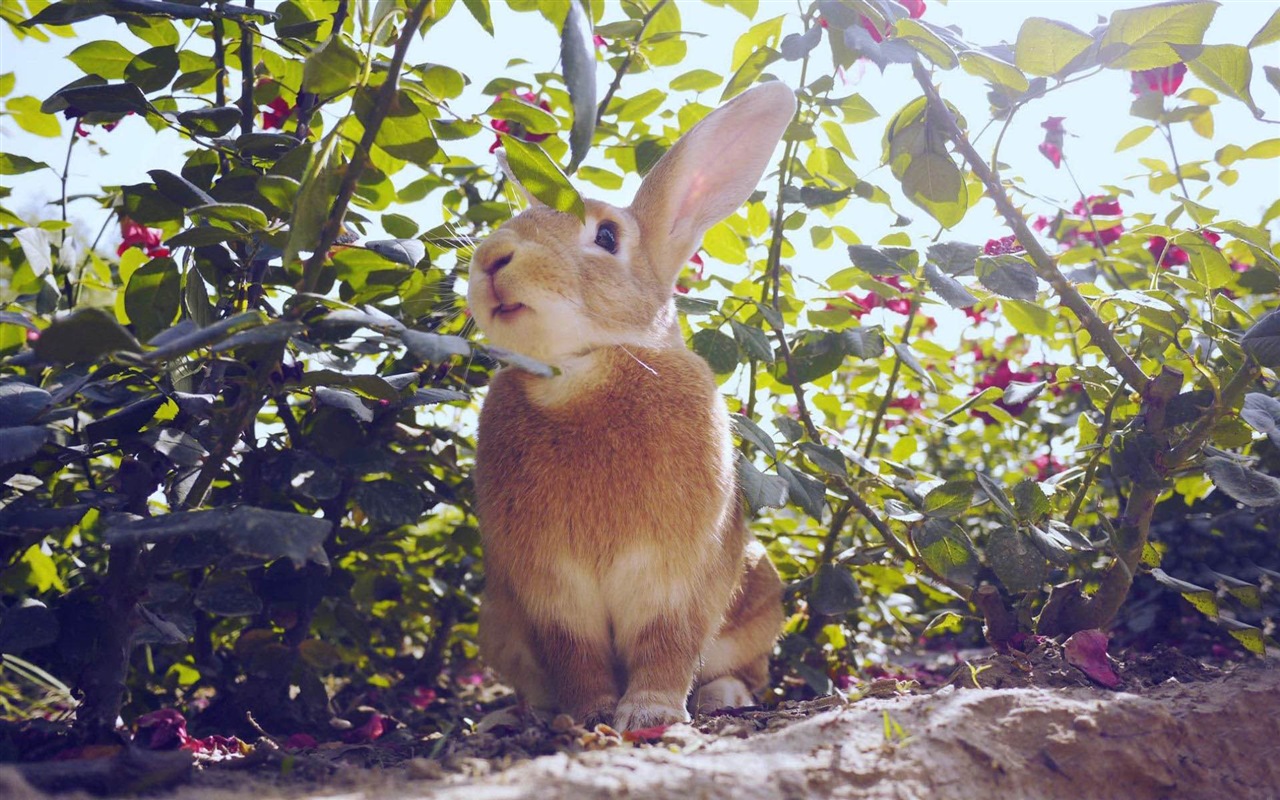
619, 570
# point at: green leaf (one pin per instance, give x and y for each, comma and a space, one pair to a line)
314, 199
11, 164
995, 492
1029, 318
534, 119
698, 80
718, 350
946, 549
83, 336
151, 70
752, 341
949, 499
1135, 137
332, 68
1140, 38
1029, 500
751, 432
1017, 563
179, 189
152, 297
805, 491
834, 590
402, 251
114, 98
912, 363
178, 446
106, 58
948, 288
883, 260
480, 10
21, 403
1046, 46
927, 43
541, 177
389, 503
1228, 68
1262, 412
578, 60
245, 531
1009, 276
827, 459
796, 46
748, 72
758, 489
1268, 33
994, 70
36, 246
434, 348
1241, 483
210, 121
69, 11
233, 214
954, 258
21, 442
934, 183
817, 354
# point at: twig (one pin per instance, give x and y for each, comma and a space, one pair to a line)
360, 159
626, 61
247, 107
893, 380
1045, 267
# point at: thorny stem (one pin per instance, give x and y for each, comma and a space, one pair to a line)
247, 107
626, 61
1044, 265
360, 159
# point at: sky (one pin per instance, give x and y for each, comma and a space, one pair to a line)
1095, 111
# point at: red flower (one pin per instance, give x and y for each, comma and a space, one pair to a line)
422, 697
167, 729
1051, 147
1164, 80
682, 286
1166, 255
823, 22
910, 404
979, 312
516, 129
1082, 229
1001, 377
280, 111
914, 7
1046, 465
300, 741
368, 732
146, 238
1007, 245
1239, 266
599, 41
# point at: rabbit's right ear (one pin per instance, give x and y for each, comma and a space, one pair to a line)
709, 174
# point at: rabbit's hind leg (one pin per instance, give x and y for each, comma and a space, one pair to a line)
736, 662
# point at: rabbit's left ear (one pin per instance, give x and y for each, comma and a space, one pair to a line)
510, 175
709, 174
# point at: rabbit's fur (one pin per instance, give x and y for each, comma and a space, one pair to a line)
619, 569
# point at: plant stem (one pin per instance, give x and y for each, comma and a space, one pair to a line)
1044, 265
360, 158
626, 61
247, 108
1103, 432
893, 380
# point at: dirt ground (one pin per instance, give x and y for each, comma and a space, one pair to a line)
1036, 729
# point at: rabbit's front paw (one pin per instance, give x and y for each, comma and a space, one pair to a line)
647, 710
601, 712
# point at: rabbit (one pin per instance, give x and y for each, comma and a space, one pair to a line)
619, 571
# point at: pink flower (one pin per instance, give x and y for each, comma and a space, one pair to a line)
914, 7
682, 285
1164, 80
599, 41
1166, 255
1007, 245
280, 110
1046, 465
1001, 377
423, 696
146, 238
910, 404
370, 731
980, 311
1051, 147
515, 128
166, 729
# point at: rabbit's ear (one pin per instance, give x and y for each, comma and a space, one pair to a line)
510, 175
709, 174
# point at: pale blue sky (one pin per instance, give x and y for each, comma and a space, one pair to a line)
1096, 110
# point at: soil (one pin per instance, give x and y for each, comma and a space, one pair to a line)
1022, 726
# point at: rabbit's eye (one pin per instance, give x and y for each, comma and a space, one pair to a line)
607, 236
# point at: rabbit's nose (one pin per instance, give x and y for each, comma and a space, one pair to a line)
498, 263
